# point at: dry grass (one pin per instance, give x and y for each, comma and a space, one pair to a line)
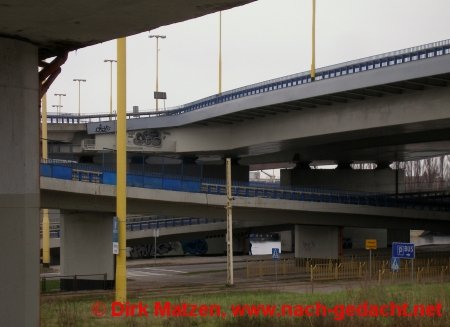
78, 313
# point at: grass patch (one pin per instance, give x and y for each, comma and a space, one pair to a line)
50, 285
80, 312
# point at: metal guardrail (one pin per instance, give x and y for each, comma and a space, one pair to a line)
393, 58
55, 232
152, 224
197, 185
431, 267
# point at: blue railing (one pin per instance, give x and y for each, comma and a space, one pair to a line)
399, 57
167, 223
150, 224
209, 186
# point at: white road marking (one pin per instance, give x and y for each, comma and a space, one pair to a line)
142, 274
169, 270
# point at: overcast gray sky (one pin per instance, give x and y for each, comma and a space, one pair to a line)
263, 40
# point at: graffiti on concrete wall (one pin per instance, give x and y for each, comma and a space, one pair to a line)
191, 247
147, 138
308, 245
148, 250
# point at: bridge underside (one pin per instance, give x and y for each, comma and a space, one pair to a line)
98, 197
396, 121
70, 25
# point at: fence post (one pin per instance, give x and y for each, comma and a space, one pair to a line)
419, 275
104, 280
379, 276
247, 270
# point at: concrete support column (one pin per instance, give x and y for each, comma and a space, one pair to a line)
317, 242
19, 184
86, 249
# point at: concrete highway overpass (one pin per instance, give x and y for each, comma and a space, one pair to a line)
318, 218
384, 108
94, 197
31, 32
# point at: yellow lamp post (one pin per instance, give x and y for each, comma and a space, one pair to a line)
45, 219
121, 187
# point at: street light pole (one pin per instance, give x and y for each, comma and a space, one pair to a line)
121, 171
79, 93
229, 235
58, 108
157, 62
220, 52
110, 84
59, 100
45, 218
313, 60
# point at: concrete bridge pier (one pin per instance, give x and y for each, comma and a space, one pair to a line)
318, 241
86, 250
19, 183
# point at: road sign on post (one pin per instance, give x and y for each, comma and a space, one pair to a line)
371, 244
395, 264
275, 253
115, 235
276, 257
403, 250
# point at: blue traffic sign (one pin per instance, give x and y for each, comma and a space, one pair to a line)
115, 235
115, 232
403, 250
275, 253
395, 264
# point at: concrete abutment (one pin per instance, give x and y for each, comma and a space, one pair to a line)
19, 183
86, 250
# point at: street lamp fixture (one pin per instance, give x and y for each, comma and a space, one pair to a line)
111, 61
157, 37
59, 95
58, 108
79, 93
